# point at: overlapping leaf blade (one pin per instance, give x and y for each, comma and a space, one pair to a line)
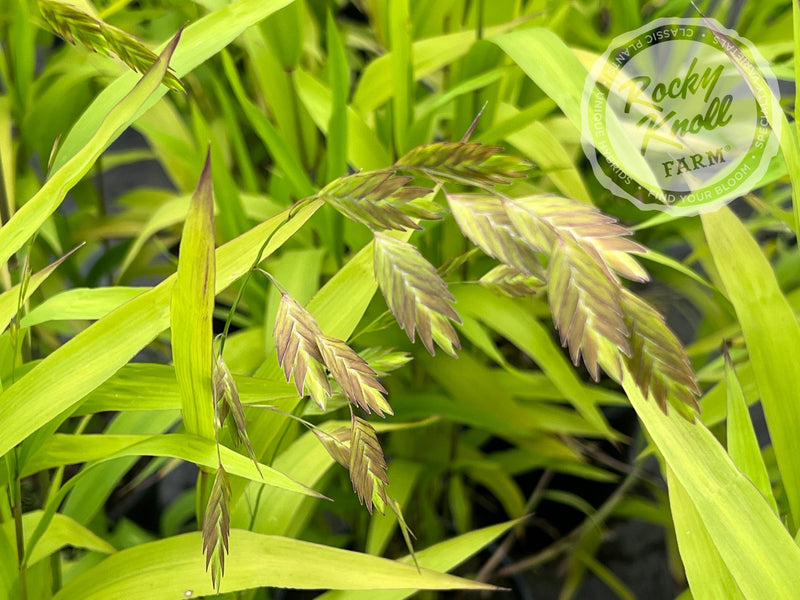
191, 310
743, 445
102, 349
11, 299
27, 220
201, 40
272, 561
770, 329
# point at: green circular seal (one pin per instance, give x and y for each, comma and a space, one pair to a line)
676, 116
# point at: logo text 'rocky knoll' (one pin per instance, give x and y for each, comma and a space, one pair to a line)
665, 127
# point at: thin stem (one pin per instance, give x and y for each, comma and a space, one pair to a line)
567, 542
486, 572
25, 278
58, 474
55, 570
101, 196
300, 408
15, 491
292, 211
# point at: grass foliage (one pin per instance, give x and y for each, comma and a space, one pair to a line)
378, 275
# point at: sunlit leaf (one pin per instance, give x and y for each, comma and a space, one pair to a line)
191, 310
255, 560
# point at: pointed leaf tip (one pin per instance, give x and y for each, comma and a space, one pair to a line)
205, 185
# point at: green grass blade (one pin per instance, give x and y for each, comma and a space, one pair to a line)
513, 321
81, 304
769, 103
770, 327
8, 566
275, 511
7, 155
403, 476
285, 32
191, 310
144, 387
332, 223
172, 142
376, 84
278, 147
742, 442
274, 85
735, 514
339, 81
174, 567
63, 449
27, 220
365, 150
21, 52
440, 557
796, 36
10, 300
180, 445
550, 64
555, 69
709, 578
62, 532
94, 488
402, 73
201, 40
